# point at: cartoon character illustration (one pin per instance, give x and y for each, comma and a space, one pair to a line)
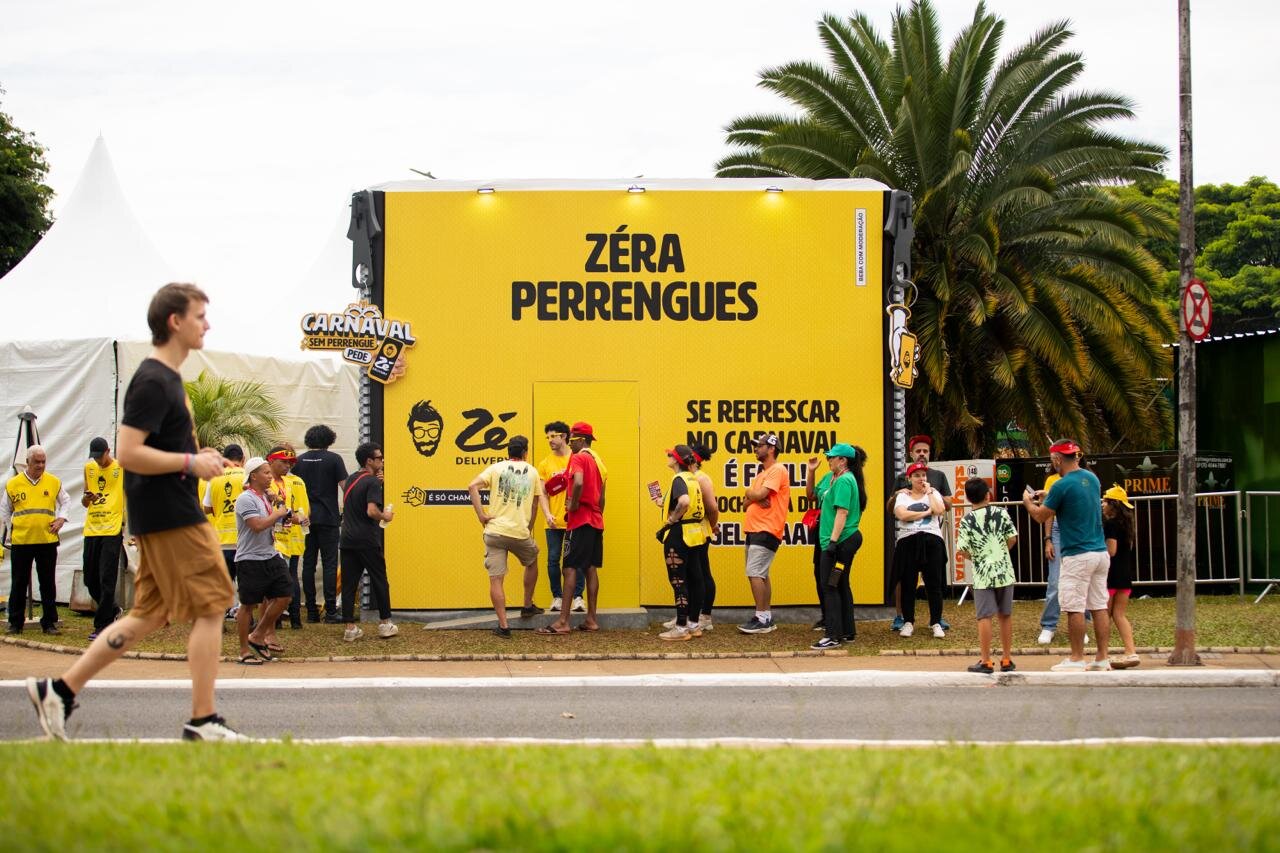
425, 427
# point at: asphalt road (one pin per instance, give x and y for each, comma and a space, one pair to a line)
981, 713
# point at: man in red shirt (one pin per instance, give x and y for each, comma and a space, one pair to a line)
584, 539
768, 500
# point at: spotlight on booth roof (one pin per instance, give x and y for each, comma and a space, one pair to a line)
773, 189
485, 190
635, 188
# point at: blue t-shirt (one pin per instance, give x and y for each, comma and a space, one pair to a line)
1076, 498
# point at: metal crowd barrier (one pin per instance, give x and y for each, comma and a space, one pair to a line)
1258, 507
1220, 542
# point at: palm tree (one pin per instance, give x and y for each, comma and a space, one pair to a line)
1037, 303
228, 411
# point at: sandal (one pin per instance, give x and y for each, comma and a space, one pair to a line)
248, 659
260, 650
548, 631
276, 648
587, 628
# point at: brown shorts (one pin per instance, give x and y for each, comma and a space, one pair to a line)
497, 547
181, 575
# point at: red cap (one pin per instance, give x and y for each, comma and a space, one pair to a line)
582, 428
916, 466
916, 439
1066, 447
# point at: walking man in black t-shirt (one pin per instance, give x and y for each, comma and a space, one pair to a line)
363, 518
324, 472
181, 574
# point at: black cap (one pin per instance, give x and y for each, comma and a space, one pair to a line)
97, 447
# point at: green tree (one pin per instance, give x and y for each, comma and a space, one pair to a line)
228, 411
24, 198
1038, 303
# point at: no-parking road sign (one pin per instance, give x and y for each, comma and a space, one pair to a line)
1197, 310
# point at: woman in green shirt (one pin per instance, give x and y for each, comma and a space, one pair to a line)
840, 539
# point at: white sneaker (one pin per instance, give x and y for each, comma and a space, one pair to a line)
1068, 665
670, 623
907, 630
1045, 638
938, 633
557, 604
215, 729
387, 630
677, 633
579, 606
51, 711
704, 624
1098, 666
352, 634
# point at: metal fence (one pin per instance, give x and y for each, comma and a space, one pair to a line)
1259, 508
1220, 541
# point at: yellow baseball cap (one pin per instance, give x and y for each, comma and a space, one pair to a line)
1115, 493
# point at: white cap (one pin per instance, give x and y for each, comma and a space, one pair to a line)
252, 465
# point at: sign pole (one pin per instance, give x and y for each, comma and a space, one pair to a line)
1184, 642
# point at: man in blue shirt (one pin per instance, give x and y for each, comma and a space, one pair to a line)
1075, 499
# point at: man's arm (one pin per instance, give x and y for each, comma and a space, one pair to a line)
474, 488
259, 523
136, 456
575, 493
6, 508
545, 506
62, 511
709, 502
1038, 512
377, 514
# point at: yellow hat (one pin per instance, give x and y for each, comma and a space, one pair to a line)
1116, 493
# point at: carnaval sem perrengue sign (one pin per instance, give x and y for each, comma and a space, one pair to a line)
364, 337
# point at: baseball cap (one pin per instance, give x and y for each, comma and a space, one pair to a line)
765, 438
252, 465
917, 439
97, 447
584, 429
1117, 493
916, 466
843, 450
1066, 447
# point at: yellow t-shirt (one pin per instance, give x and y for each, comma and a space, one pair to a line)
1050, 480
221, 498
513, 490
547, 468
105, 515
293, 494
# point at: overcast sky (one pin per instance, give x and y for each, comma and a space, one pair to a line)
239, 128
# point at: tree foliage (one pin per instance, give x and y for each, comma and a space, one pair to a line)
1038, 302
24, 197
227, 411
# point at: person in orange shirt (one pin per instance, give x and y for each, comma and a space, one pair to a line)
768, 499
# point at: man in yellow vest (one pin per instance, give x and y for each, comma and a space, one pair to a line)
103, 530
220, 505
36, 504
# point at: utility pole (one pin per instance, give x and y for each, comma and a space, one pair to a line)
1184, 633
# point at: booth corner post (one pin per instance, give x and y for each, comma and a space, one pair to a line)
367, 259
1184, 637
899, 234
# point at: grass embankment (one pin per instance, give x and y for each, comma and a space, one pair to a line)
1220, 621
221, 796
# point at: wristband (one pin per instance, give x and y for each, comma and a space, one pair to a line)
186, 464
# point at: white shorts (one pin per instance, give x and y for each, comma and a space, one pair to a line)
1082, 582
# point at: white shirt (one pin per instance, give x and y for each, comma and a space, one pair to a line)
928, 524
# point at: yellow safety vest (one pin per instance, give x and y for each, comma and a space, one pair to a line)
35, 506
105, 516
223, 491
691, 526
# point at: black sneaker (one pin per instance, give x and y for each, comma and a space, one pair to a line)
215, 729
755, 626
51, 629
504, 633
313, 616
531, 610
1008, 666
848, 638
51, 710
826, 643
818, 626
332, 618
295, 623
13, 629
982, 667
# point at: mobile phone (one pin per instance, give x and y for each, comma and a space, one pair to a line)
1029, 492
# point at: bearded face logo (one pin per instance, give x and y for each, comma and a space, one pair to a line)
425, 427
102, 484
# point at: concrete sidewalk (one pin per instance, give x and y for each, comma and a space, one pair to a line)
17, 662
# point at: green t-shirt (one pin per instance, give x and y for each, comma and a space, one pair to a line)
842, 494
984, 536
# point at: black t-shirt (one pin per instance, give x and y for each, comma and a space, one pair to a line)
358, 529
323, 471
678, 490
157, 403
1120, 575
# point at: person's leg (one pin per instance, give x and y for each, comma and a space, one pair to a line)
498, 596
569, 577
555, 545
1006, 636
380, 589
1052, 611
89, 564
817, 572
907, 589
848, 550
310, 557
935, 569
1102, 633
204, 647
46, 573
352, 572
21, 559
295, 603
693, 583
530, 583
110, 645
243, 617
592, 588
831, 622
108, 571
1118, 612
328, 537
580, 586
265, 632
708, 581
1075, 634
676, 570
984, 639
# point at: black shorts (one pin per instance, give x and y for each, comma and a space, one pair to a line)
259, 580
583, 548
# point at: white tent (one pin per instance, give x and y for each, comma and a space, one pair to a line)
72, 331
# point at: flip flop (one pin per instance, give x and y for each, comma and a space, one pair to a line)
548, 631
587, 628
278, 649
247, 659
260, 650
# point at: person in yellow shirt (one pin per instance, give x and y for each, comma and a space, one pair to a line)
551, 473
35, 502
290, 491
103, 501
219, 502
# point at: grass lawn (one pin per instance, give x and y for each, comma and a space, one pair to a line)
1222, 620
300, 797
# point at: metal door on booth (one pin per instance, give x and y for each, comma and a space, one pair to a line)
613, 410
